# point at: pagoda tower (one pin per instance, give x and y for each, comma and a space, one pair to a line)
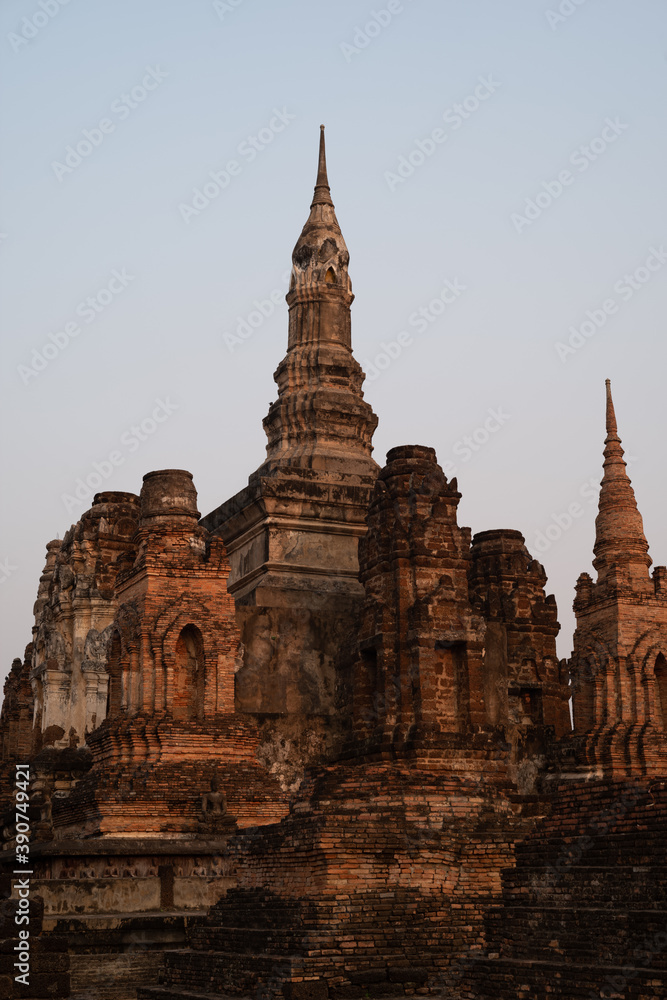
619, 663
292, 534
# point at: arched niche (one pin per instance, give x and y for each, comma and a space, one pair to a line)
189, 675
584, 675
115, 671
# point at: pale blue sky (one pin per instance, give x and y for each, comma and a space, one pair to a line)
219, 76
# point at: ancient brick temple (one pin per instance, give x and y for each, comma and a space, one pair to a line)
318, 744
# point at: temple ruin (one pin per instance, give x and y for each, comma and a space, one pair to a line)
318, 744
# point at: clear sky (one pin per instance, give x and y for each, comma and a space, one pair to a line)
498, 170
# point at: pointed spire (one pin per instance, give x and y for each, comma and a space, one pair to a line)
620, 542
612, 427
320, 419
320, 255
322, 195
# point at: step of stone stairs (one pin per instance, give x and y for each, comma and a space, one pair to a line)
176, 993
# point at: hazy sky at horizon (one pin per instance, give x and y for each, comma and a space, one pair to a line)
542, 203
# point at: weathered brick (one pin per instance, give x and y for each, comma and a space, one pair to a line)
316, 744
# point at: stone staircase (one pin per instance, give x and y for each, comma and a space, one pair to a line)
264, 947
584, 913
581, 915
173, 993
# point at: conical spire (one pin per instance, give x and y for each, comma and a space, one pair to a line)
612, 427
322, 195
320, 420
320, 254
620, 543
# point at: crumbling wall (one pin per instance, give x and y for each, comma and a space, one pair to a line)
75, 606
